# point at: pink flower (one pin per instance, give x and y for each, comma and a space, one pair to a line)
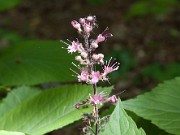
95, 57
84, 76
75, 46
110, 67
97, 99
102, 37
112, 99
95, 76
76, 25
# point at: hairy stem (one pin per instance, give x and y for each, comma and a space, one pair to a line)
96, 112
95, 107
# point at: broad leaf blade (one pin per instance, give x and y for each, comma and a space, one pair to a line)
161, 106
16, 97
34, 62
121, 124
47, 111
3, 132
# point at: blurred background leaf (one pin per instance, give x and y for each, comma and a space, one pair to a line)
36, 61
154, 7
161, 73
8, 4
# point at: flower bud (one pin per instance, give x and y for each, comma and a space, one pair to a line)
95, 57
77, 106
84, 54
113, 99
101, 55
90, 18
94, 44
76, 25
82, 20
78, 58
100, 38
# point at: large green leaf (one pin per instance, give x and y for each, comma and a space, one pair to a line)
7, 4
16, 97
48, 111
161, 106
121, 124
34, 62
3, 132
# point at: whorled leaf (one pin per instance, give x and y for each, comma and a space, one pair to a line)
161, 106
33, 62
121, 124
48, 111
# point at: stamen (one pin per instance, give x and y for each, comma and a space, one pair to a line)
74, 71
64, 42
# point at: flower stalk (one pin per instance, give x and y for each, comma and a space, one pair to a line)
88, 60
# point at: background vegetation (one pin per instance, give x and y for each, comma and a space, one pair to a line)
32, 62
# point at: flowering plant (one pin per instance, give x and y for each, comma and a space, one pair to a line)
88, 60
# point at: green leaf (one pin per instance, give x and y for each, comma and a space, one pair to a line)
148, 127
16, 97
34, 62
3, 132
8, 4
121, 124
48, 111
161, 106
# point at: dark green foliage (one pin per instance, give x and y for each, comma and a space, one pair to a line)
8, 4
150, 7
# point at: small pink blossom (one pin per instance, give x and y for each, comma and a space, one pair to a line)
95, 77
95, 57
112, 99
75, 46
102, 37
110, 67
97, 99
84, 76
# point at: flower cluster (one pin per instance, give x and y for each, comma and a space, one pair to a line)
88, 59
96, 99
86, 56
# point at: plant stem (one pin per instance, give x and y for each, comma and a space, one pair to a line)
96, 112
94, 85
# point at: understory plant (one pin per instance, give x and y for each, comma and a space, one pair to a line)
88, 59
38, 94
